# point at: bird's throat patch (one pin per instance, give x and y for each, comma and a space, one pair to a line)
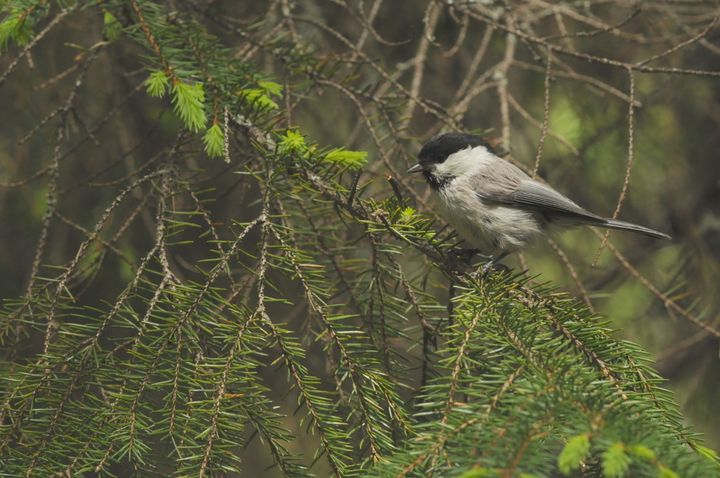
437, 182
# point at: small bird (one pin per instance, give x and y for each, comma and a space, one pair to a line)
492, 204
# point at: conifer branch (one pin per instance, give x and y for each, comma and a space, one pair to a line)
279, 303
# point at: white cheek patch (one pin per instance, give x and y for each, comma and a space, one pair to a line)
463, 162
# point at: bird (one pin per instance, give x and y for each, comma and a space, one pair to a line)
495, 206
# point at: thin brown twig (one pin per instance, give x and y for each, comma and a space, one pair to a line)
573, 273
546, 113
669, 304
593, 83
539, 125
628, 167
681, 45
432, 15
475, 62
599, 31
460, 40
36, 38
502, 87
586, 56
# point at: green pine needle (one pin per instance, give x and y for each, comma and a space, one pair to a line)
292, 142
214, 141
575, 451
643, 452
17, 28
615, 461
112, 27
258, 98
271, 88
157, 84
665, 472
348, 159
6, 31
188, 101
407, 215
708, 453
479, 473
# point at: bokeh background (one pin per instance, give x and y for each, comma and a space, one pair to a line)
562, 75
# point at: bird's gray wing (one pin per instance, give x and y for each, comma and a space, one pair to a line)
531, 194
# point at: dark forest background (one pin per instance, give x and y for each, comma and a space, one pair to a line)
614, 103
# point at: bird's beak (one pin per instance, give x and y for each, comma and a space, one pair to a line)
416, 169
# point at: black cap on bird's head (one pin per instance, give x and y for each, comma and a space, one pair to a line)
440, 147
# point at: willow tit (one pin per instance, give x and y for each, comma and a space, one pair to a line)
492, 204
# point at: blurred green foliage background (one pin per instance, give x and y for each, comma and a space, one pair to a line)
429, 50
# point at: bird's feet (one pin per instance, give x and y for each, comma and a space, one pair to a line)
493, 265
461, 259
465, 255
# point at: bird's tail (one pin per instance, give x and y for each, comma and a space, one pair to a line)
627, 226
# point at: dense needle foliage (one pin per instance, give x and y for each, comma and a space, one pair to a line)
309, 331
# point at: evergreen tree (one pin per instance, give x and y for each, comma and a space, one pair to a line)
218, 291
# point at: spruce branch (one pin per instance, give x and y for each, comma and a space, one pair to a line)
284, 311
